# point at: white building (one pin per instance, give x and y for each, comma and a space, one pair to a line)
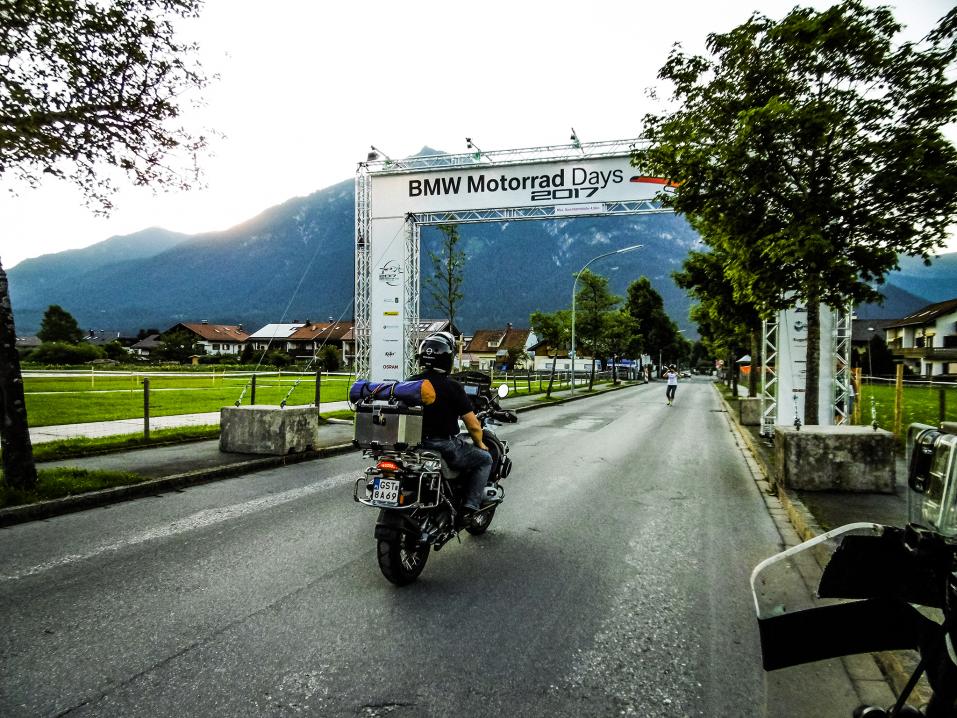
927, 339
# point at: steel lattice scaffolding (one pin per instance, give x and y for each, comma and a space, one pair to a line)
413, 222
769, 378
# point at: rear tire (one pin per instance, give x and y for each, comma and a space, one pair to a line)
481, 521
401, 560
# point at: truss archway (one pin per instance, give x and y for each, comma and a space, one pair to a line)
395, 199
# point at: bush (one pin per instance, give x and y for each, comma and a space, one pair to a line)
329, 358
63, 353
278, 358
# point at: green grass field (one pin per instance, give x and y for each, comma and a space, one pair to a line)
921, 404
61, 399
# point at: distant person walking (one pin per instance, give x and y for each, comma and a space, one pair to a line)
672, 376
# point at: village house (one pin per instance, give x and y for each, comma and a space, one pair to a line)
145, 346
490, 348
273, 336
309, 339
926, 341
215, 338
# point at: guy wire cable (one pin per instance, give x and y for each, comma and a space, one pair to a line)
302, 278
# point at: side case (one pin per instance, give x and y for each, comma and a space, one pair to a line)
387, 425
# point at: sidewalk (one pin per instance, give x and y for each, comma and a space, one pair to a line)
96, 429
179, 465
812, 513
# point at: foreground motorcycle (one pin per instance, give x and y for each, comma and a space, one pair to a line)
868, 579
416, 492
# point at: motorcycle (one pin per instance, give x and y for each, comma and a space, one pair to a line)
869, 579
416, 492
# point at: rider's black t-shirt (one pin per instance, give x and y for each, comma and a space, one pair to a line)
441, 418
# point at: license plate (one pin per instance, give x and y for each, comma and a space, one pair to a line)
385, 491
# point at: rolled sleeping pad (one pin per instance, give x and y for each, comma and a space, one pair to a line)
412, 393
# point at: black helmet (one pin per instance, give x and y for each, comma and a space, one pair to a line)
436, 352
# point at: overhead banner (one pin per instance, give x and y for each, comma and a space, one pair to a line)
387, 286
565, 183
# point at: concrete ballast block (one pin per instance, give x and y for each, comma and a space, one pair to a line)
265, 429
749, 411
835, 458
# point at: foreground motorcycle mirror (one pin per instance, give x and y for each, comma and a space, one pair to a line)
502, 391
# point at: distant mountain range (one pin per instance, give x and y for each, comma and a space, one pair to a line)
295, 262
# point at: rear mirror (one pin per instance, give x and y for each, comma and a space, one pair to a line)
932, 478
922, 442
502, 391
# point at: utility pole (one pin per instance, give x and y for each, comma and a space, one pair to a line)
19, 469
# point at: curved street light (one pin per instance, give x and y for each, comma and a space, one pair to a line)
575, 284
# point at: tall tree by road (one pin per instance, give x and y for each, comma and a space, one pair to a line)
19, 471
448, 269
554, 331
59, 325
594, 303
91, 90
645, 305
703, 275
814, 144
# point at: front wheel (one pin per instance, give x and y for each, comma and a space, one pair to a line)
401, 560
481, 521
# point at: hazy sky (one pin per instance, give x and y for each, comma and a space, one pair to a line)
305, 88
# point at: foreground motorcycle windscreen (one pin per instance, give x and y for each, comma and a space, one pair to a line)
838, 630
799, 625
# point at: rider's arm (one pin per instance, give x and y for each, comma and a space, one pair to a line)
475, 429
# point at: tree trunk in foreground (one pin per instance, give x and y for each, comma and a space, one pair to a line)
18, 468
813, 362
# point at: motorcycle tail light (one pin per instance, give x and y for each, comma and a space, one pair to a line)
388, 466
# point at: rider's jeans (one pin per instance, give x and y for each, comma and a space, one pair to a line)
464, 456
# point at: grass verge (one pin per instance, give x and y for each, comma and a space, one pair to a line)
82, 446
66, 481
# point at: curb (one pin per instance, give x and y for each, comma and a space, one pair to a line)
895, 666
69, 504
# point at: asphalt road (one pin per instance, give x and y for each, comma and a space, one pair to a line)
614, 581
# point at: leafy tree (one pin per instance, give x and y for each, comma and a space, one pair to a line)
64, 354
143, 333
445, 284
58, 325
621, 333
654, 330
814, 146
877, 359
83, 85
329, 358
116, 351
90, 85
277, 358
705, 278
179, 345
554, 330
16, 451
593, 302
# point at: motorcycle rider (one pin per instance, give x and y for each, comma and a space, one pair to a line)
440, 426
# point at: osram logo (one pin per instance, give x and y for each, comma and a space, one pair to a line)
390, 366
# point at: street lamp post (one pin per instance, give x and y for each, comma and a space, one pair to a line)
575, 284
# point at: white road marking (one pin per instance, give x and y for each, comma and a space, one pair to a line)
199, 520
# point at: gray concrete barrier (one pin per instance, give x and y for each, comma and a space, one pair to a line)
271, 430
835, 458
